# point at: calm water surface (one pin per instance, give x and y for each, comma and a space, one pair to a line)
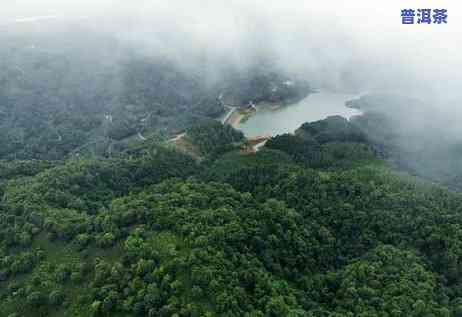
287, 119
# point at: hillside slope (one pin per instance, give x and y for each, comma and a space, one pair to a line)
313, 225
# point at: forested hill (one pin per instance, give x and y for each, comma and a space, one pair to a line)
315, 224
63, 93
414, 135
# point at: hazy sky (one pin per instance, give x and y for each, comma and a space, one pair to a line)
330, 40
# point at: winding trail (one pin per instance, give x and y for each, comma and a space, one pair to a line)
178, 137
141, 136
229, 114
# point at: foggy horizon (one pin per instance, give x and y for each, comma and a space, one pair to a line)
363, 46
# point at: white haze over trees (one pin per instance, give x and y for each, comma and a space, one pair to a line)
354, 44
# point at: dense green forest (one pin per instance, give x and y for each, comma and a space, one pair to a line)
104, 213
212, 138
314, 224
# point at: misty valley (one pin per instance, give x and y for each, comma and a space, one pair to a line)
137, 181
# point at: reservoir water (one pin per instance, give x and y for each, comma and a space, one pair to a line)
287, 119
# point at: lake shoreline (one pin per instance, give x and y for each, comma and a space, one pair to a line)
242, 113
279, 118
